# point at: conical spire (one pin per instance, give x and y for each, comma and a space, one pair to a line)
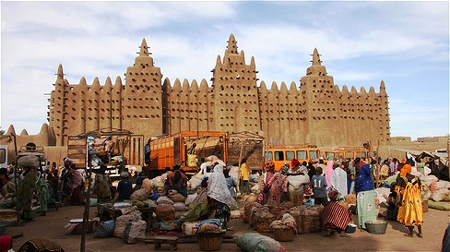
144, 48
232, 45
316, 58
60, 71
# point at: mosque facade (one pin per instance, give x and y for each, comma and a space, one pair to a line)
313, 110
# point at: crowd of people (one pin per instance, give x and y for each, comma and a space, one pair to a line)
315, 182
328, 182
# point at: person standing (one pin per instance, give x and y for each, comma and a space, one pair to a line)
384, 172
231, 183
43, 192
319, 184
220, 195
408, 189
365, 196
78, 187
67, 181
278, 185
329, 171
265, 189
297, 177
244, 175
311, 169
102, 187
339, 180
53, 180
393, 166
25, 194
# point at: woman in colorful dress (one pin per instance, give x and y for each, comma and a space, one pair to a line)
264, 193
408, 189
335, 216
278, 185
43, 194
26, 193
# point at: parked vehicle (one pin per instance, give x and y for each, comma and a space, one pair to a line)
350, 153
3, 155
186, 148
279, 154
115, 149
31, 155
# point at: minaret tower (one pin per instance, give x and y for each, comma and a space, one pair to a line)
317, 89
235, 94
141, 99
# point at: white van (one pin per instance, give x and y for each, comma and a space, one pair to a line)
3, 156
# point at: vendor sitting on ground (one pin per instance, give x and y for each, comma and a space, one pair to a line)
335, 216
124, 188
176, 181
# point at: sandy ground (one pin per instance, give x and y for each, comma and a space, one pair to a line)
51, 227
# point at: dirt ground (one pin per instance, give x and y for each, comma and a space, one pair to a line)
51, 227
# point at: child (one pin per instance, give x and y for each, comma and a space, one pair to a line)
319, 185
392, 203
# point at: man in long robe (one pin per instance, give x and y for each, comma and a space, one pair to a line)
339, 180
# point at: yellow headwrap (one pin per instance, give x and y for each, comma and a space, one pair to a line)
406, 169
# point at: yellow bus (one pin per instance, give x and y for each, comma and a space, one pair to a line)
350, 153
279, 154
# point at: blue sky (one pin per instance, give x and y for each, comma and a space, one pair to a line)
406, 44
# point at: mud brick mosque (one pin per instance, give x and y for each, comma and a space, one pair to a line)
313, 110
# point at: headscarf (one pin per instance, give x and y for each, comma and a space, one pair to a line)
333, 195
364, 181
406, 169
5, 242
270, 166
328, 172
295, 162
217, 187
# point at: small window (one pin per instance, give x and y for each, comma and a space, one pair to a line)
290, 155
269, 156
279, 156
314, 154
302, 155
3, 156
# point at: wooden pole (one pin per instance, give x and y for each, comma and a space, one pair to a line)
16, 179
88, 200
239, 163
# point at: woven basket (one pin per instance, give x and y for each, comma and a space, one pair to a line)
209, 241
283, 234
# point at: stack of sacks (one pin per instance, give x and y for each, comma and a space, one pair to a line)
248, 210
252, 242
158, 182
261, 218
196, 180
165, 211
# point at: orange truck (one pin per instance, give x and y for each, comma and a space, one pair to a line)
186, 148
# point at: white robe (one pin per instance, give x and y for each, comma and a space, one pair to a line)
339, 181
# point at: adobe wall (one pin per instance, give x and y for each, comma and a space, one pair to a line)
314, 110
